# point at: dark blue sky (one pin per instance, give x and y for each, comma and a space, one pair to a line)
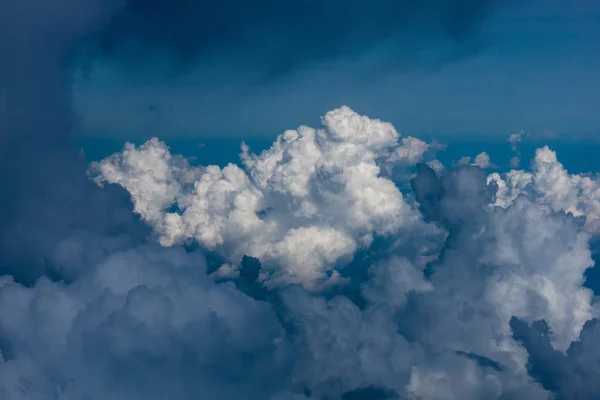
478, 68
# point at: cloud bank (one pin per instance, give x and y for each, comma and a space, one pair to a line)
337, 264
280, 36
308, 272
450, 264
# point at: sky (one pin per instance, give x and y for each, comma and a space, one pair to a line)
299, 200
527, 65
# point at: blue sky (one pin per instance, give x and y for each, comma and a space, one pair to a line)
528, 65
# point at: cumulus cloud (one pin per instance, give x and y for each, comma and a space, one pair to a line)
515, 274
550, 183
436, 165
146, 323
411, 151
481, 160
568, 375
307, 272
432, 317
308, 202
514, 139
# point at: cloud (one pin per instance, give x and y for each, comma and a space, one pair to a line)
550, 183
514, 139
457, 313
308, 202
281, 36
411, 151
436, 165
568, 375
51, 211
146, 323
306, 273
481, 160
515, 161
432, 317
506, 244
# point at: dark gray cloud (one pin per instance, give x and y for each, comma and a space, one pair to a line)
146, 323
46, 196
570, 375
277, 36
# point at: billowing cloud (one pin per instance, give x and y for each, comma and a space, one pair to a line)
570, 375
432, 317
550, 183
429, 318
309, 271
146, 323
310, 201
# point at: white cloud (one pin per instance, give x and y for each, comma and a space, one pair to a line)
309, 201
482, 160
524, 261
436, 165
411, 151
516, 137
550, 183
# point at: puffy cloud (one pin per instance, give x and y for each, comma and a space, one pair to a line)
410, 295
432, 318
514, 139
146, 323
509, 188
428, 287
306, 203
550, 183
438, 328
87, 310
436, 165
481, 160
525, 261
514, 161
444, 332
411, 151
